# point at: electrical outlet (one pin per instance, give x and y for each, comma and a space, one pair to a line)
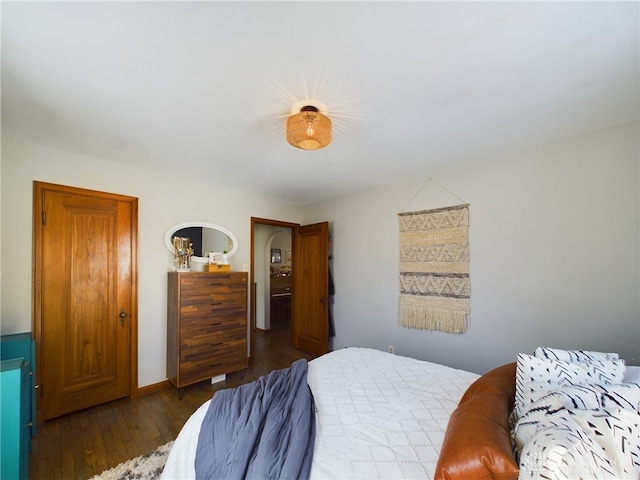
390, 349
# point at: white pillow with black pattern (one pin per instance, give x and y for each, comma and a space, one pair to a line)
535, 377
583, 356
623, 395
584, 397
584, 444
580, 397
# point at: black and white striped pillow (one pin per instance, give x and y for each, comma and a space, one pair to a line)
580, 397
624, 395
584, 444
535, 377
583, 356
584, 397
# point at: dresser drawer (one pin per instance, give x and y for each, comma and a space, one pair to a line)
222, 296
212, 309
212, 283
197, 368
212, 333
214, 348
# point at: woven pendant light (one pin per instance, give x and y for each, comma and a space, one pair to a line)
309, 129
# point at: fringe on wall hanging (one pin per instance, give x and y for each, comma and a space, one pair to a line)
434, 269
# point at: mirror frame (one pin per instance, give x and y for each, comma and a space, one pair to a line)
168, 234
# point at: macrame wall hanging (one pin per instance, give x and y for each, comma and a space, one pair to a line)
434, 268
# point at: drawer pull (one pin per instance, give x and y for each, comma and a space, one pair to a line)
217, 344
216, 324
215, 365
215, 283
216, 303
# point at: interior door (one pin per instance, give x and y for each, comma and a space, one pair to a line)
310, 294
84, 296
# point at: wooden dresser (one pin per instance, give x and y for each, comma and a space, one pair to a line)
206, 325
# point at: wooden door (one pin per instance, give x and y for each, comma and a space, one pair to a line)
310, 294
84, 297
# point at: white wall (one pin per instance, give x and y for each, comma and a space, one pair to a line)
554, 248
553, 237
163, 201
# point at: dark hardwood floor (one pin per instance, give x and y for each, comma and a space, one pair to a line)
83, 444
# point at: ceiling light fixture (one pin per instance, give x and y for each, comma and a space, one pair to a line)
309, 129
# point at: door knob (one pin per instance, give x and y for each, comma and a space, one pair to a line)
123, 315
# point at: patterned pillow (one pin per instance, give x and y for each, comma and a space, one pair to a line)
535, 377
571, 356
624, 395
579, 397
584, 444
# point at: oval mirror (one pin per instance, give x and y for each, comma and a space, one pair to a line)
206, 237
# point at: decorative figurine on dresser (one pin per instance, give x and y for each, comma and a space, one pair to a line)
207, 326
183, 250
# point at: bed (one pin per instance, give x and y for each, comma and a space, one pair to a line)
380, 416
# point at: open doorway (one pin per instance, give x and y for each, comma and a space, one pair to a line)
271, 277
310, 302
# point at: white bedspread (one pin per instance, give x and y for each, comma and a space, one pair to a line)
379, 416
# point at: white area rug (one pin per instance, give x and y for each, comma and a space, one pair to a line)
145, 467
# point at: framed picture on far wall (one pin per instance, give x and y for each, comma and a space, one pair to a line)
275, 255
289, 256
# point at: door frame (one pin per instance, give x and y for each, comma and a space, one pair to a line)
38, 195
252, 323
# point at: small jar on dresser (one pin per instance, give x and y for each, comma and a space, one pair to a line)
206, 325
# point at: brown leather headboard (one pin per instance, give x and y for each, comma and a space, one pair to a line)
477, 443
499, 380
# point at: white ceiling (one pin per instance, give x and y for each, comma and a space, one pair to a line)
203, 89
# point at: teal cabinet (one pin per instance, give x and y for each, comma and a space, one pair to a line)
14, 438
17, 404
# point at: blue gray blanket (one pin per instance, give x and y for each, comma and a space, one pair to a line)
264, 429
